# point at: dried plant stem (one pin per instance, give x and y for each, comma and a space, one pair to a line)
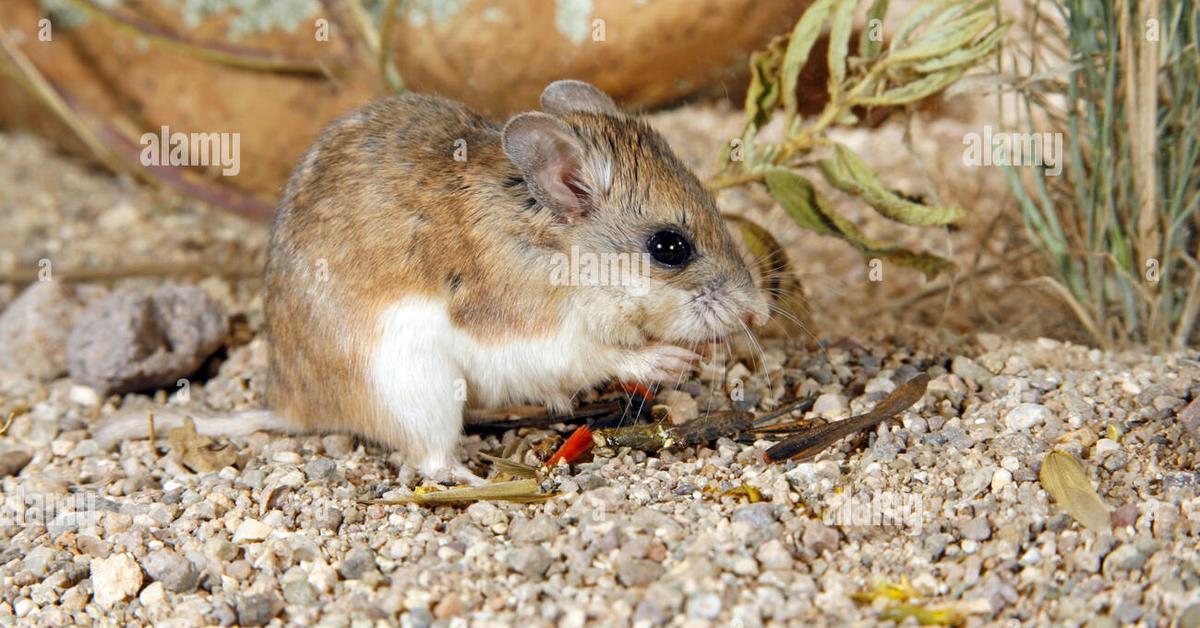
155, 269
1117, 228
226, 55
1139, 56
27, 73
386, 68
8, 421
376, 41
1081, 313
935, 290
112, 148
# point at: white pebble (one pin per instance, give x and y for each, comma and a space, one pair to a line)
251, 530
1106, 446
1001, 479
1026, 415
879, 385
83, 395
286, 457
115, 579
153, 594
831, 406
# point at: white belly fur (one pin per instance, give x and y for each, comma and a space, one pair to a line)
424, 370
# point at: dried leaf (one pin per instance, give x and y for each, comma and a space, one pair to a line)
197, 452
839, 44
899, 591
916, 90
810, 442
1063, 477
897, 597
923, 615
811, 210
522, 491
512, 467
952, 36
965, 56
779, 280
800, 44
918, 16
762, 96
751, 494
848, 173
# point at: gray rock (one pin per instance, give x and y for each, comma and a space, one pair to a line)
320, 470
300, 593
175, 572
220, 550
1027, 415
537, 530
34, 327
1190, 617
650, 612
358, 561
936, 544
774, 555
530, 561
1128, 613
757, 516
589, 481
748, 400
419, 617
328, 519
1125, 515
12, 461
957, 437
704, 606
337, 445
1124, 558
1116, 460
970, 370
223, 614
638, 572
1102, 621
257, 610
38, 560
819, 537
976, 529
129, 341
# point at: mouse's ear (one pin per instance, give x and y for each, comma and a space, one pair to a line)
558, 172
569, 96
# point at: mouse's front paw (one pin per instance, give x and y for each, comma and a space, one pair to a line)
657, 363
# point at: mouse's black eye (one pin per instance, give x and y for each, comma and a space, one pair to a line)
669, 248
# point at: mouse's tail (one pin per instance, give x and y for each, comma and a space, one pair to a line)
134, 424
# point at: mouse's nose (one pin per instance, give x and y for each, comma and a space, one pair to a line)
756, 315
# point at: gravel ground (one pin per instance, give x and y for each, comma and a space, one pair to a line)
946, 500
939, 515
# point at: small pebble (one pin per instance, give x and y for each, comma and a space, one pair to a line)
1026, 415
